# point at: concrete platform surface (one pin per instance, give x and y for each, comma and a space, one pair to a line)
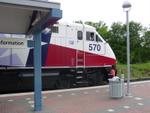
83, 100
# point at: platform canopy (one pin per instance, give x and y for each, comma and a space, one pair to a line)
27, 16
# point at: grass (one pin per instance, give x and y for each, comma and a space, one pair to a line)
138, 71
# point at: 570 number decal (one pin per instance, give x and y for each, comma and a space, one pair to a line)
94, 47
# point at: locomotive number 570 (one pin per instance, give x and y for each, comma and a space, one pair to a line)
94, 47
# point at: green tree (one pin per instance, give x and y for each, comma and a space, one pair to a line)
145, 44
117, 41
136, 30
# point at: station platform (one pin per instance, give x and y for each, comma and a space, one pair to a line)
82, 100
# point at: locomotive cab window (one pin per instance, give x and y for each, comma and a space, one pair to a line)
90, 36
54, 29
98, 39
80, 35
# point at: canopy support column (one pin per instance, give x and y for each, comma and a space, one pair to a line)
37, 72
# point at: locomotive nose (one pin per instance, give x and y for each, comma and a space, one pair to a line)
110, 54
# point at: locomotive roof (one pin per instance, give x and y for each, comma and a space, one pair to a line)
76, 25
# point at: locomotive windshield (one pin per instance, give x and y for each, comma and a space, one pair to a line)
99, 38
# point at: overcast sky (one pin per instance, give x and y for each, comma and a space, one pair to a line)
108, 11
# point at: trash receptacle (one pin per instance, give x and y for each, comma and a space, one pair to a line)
116, 87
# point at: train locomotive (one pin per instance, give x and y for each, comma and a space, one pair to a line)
73, 55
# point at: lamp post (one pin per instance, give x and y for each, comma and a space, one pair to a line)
126, 7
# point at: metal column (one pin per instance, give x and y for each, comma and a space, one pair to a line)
37, 72
128, 53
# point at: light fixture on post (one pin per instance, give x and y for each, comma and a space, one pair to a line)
126, 8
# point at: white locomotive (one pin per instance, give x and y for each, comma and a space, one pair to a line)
72, 55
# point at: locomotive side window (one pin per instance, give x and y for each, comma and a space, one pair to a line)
98, 39
54, 29
80, 35
90, 36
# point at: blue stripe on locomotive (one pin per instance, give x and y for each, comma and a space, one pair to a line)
46, 39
